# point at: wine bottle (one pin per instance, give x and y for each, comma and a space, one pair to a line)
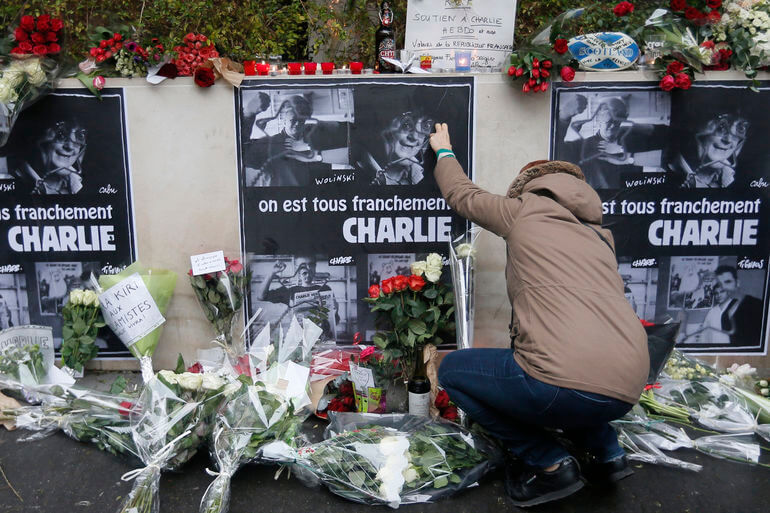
419, 388
385, 40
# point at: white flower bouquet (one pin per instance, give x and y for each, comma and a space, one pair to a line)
462, 259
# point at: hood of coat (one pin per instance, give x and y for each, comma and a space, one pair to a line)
563, 182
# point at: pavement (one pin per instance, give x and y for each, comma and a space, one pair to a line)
59, 475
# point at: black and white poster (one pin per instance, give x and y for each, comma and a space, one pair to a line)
65, 205
337, 190
684, 179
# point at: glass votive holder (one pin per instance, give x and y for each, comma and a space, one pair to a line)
327, 68
462, 61
310, 68
295, 68
356, 67
263, 69
250, 68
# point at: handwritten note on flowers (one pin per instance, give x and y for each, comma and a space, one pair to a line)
129, 309
439, 28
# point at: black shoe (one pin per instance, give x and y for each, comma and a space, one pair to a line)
606, 473
536, 487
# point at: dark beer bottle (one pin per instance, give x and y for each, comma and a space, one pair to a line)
419, 388
385, 40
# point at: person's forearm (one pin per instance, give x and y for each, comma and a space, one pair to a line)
265, 287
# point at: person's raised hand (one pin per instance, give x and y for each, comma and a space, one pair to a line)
439, 140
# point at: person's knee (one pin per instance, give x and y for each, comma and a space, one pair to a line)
448, 365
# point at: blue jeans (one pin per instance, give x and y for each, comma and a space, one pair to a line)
495, 391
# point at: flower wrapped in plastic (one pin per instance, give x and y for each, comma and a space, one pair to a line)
101, 418
220, 295
462, 262
330, 388
31, 69
394, 459
160, 283
27, 370
172, 417
269, 411
82, 322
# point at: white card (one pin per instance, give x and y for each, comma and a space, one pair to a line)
130, 310
361, 377
206, 263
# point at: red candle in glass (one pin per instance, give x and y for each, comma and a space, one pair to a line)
250, 68
295, 68
356, 67
310, 68
327, 68
263, 69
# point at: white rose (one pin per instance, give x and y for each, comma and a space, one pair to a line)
190, 380
8, 93
169, 376
231, 388
37, 78
465, 250
90, 298
418, 268
410, 474
14, 77
212, 382
432, 275
31, 66
76, 297
434, 260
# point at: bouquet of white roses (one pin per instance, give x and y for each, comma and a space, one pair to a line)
395, 459
462, 260
82, 321
269, 411
173, 416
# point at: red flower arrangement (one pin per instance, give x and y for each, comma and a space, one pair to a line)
560, 46
676, 76
195, 50
446, 409
204, 77
38, 36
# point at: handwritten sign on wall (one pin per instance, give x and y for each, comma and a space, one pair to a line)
440, 28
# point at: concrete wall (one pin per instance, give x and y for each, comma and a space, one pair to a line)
183, 163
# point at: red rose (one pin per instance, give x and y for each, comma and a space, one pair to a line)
43, 25
204, 77
532, 82
708, 44
713, 17
519, 72
567, 74
374, 291
544, 86
544, 73
714, 4
623, 8
56, 24
560, 46
335, 405
416, 283
535, 73
27, 23
38, 37
17, 51
450, 413
678, 5
195, 368
546, 65
54, 48
535, 63
511, 71
51, 37
525, 87
400, 282
26, 47
125, 408
346, 389
20, 34
667, 83
682, 81
234, 266
40, 50
387, 286
189, 37
674, 68
366, 353
348, 402
442, 400
206, 51
691, 13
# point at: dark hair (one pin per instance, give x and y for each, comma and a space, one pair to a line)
301, 106
722, 269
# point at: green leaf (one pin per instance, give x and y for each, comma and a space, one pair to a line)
441, 482
430, 293
417, 327
79, 327
119, 385
180, 366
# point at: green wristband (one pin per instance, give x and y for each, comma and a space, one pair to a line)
443, 152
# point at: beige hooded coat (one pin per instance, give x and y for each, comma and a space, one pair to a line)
572, 325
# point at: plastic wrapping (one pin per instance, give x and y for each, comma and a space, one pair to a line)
270, 411
462, 258
329, 373
160, 283
394, 459
678, 38
220, 296
174, 414
84, 415
643, 449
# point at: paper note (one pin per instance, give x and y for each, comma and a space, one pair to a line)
206, 263
130, 310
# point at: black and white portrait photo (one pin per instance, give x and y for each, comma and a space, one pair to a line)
381, 267
305, 286
293, 137
13, 300
611, 134
718, 303
54, 282
640, 286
